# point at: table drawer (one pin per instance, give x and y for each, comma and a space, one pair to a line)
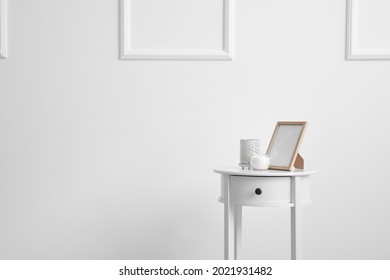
271, 191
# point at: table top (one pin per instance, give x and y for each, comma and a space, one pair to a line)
238, 171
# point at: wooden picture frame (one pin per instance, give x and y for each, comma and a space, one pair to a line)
284, 145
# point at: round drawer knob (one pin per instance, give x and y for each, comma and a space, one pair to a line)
258, 191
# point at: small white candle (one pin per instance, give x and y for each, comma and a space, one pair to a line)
260, 162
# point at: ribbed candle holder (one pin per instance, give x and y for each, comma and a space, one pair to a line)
248, 148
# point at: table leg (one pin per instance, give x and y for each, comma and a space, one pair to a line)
237, 231
228, 220
296, 222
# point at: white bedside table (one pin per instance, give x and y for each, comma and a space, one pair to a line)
271, 188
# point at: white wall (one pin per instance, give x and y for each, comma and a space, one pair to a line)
109, 159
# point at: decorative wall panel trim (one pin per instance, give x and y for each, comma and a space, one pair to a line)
353, 50
128, 52
3, 28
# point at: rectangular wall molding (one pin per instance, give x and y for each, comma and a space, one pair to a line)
128, 25
366, 35
3, 28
